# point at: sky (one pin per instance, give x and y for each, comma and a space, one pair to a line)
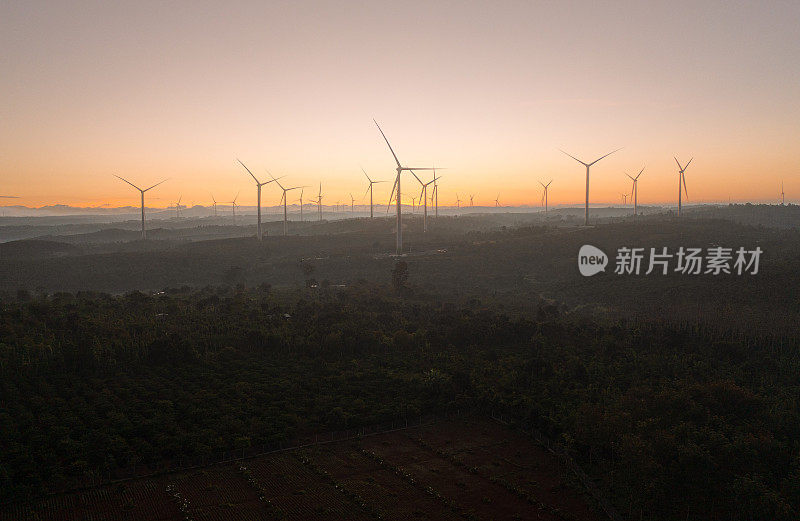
488, 90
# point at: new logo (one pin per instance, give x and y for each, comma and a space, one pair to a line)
591, 260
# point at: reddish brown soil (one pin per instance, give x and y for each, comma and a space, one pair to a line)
473, 469
391, 495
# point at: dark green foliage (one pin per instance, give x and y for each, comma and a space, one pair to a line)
668, 418
400, 275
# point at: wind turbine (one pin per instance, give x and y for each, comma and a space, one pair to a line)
283, 200
458, 201
681, 180
258, 185
471, 204
214, 205
423, 196
352, 203
371, 182
400, 168
435, 193
624, 198
233, 207
497, 200
544, 194
144, 231
587, 165
178, 207
319, 202
413, 203
783, 199
301, 204
635, 191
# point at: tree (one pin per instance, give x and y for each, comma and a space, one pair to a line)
400, 275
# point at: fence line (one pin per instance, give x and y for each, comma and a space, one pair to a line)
563, 457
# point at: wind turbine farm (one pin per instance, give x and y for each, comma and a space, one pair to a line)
574, 354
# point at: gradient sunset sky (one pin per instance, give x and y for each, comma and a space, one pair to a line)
490, 90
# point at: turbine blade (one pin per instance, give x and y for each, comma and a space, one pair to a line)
679, 163
155, 185
365, 173
627, 174
640, 173
393, 189
248, 171
598, 159
133, 185
274, 179
687, 165
573, 157
387, 143
420, 168
415, 176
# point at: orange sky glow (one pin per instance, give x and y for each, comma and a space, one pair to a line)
488, 90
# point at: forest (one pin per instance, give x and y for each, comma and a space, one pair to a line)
673, 419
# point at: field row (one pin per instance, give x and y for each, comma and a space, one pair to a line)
449, 470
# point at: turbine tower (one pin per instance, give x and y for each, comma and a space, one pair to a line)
544, 194
283, 200
258, 186
423, 196
682, 180
400, 168
144, 231
635, 191
587, 165
783, 196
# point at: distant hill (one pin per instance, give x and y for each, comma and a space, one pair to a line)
28, 249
